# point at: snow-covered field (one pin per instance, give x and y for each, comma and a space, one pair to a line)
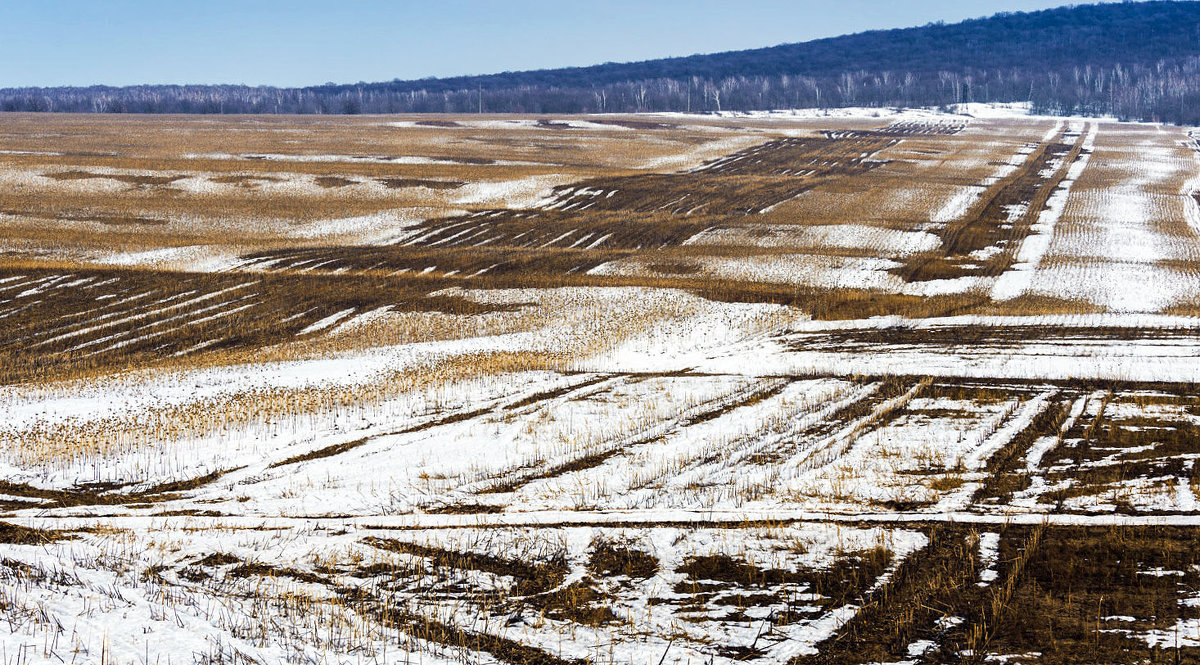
864, 386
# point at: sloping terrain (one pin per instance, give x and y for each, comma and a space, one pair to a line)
869, 388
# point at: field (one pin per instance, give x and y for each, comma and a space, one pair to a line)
875, 386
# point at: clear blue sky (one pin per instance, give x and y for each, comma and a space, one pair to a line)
302, 42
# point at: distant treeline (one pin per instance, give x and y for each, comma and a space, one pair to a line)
1131, 60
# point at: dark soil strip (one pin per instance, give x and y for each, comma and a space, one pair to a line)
557, 392
267, 570
574, 466
908, 606
1081, 595
135, 180
846, 153
505, 266
391, 615
1005, 469
400, 183
539, 587
891, 388
328, 451
530, 578
53, 338
596, 459
465, 509
1112, 452
977, 635
749, 401
12, 534
989, 224
334, 182
979, 336
247, 181
340, 448
920, 129
107, 494
184, 485
638, 124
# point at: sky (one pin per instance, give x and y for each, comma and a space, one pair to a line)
307, 42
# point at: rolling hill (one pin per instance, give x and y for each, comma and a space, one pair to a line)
1134, 60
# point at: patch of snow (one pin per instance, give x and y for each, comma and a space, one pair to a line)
989, 557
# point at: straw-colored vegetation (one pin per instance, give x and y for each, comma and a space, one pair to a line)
611, 389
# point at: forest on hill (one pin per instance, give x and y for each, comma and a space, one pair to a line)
1133, 60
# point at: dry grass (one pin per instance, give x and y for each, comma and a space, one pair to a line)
60, 322
508, 230
990, 224
67, 443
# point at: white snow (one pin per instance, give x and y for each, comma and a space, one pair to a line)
989, 555
1019, 277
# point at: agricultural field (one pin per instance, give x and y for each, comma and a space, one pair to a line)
870, 386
